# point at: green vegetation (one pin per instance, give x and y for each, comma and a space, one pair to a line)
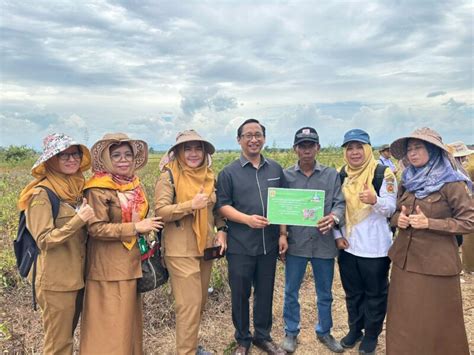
16, 154
16, 174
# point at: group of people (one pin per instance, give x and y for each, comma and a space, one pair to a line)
89, 260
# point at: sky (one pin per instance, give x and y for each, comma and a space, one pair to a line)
154, 68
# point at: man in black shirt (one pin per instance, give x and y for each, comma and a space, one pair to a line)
253, 244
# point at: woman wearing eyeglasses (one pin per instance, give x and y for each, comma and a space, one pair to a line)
59, 278
112, 317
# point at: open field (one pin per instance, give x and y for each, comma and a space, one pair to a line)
20, 326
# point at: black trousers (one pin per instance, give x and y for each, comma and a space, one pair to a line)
365, 281
246, 271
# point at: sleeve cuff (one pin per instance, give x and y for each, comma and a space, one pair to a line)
128, 231
76, 222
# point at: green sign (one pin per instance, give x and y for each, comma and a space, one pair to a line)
296, 207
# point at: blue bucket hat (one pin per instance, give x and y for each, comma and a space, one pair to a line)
357, 135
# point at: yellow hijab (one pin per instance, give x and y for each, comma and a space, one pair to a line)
188, 182
357, 211
67, 187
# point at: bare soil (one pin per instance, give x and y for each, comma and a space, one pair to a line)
24, 333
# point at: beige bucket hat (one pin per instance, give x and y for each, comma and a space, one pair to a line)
183, 137
399, 147
459, 149
189, 136
139, 147
56, 143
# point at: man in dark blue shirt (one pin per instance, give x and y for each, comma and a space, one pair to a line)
253, 244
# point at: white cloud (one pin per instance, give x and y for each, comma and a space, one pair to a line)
155, 68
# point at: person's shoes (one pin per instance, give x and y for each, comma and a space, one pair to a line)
368, 345
289, 343
200, 351
350, 340
240, 350
269, 347
331, 343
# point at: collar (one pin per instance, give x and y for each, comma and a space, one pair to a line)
317, 166
244, 161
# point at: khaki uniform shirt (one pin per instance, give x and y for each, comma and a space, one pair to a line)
107, 257
62, 244
434, 251
178, 235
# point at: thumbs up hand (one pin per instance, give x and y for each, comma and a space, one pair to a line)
200, 200
403, 220
418, 220
85, 211
367, 196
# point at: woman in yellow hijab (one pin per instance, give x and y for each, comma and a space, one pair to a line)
185, 198
366, 238
112, 317
59, 276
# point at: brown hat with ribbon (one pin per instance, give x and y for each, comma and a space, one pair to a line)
399, 147
139, 148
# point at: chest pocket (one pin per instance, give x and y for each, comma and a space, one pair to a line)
273, 182
65, 213
435, 206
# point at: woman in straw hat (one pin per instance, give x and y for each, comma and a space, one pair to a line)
363, 260
59, 277
425, 313
185, 198
112, 316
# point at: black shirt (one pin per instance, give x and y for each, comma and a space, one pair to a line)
245, 188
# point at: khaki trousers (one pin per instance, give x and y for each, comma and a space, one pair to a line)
468, 252
60, 313
112, 321
189, 278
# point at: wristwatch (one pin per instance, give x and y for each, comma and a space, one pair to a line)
223, 229
336, 219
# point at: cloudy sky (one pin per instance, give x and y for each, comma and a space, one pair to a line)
152, 68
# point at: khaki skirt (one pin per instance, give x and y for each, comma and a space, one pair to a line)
112, 321
425, 315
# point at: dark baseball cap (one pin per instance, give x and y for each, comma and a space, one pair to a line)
306, 134
357, 135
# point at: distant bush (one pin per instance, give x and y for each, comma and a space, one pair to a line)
15, 154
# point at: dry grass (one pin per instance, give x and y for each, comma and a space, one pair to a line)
216, 328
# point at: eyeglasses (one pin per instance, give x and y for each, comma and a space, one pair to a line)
249, 136
116, 157
67, 156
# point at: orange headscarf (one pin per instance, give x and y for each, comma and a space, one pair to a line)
67, 187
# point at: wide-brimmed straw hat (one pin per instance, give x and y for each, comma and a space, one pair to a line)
459, 149
191, 135
139, 148
399, 147
56, 143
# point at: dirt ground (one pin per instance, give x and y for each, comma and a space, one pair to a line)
24, 333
